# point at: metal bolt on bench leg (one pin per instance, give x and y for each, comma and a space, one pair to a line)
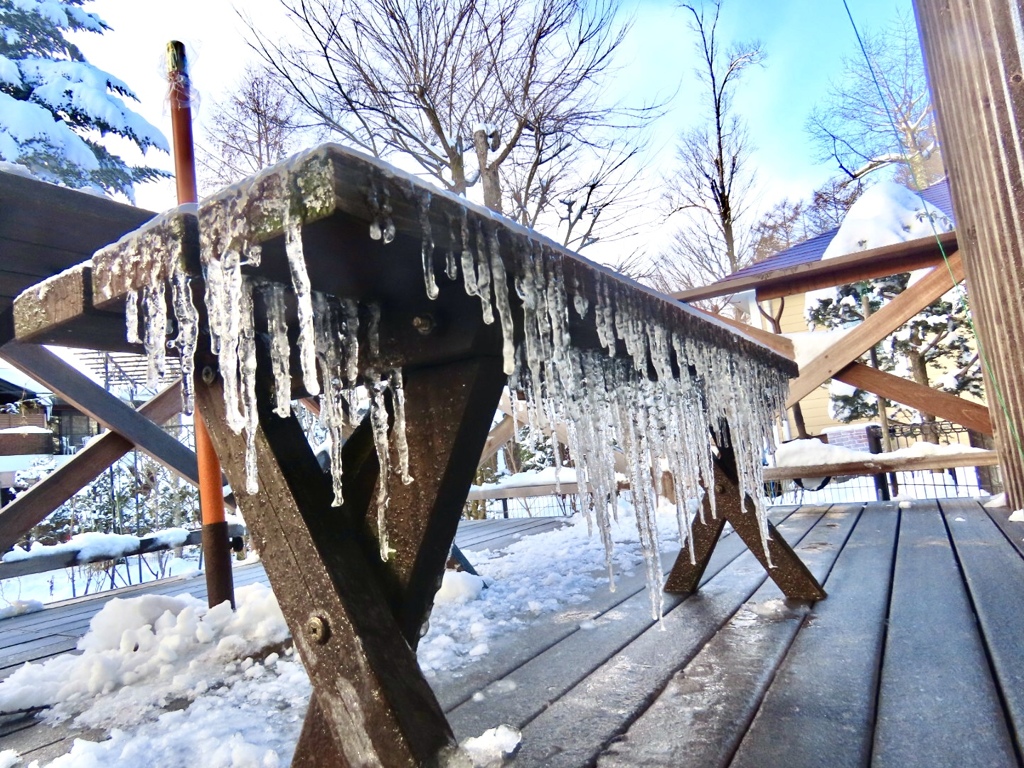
318, 629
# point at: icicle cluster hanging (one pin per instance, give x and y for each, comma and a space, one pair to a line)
647, 398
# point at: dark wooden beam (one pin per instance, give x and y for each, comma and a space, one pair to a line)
64, 381
774, 341
917, 396
800, 278
448, 412
973, 53
868, 333
32, 506
44, 229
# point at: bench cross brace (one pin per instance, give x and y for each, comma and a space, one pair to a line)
788, 570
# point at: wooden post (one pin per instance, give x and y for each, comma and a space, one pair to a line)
973, 52
219, 583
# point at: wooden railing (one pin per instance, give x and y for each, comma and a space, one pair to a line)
68, 558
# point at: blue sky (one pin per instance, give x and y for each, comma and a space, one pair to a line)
804, 41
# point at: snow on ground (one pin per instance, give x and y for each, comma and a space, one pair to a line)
537, 575
175, 683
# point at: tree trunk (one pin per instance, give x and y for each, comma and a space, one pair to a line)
488, 174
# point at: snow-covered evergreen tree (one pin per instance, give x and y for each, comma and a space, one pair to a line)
55, 107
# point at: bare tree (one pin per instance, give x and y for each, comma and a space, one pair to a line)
711, 192
255, 126
879, 114
501, 93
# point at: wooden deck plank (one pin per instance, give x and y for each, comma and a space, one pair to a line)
820, 708
515, 529
551, 673
514, 650
937, 702
994, 574
1014, 532
573, 730
728, 677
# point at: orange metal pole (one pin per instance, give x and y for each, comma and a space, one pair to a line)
216, 547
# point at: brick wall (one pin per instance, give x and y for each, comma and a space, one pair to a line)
854, 438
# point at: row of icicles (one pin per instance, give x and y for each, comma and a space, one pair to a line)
614, 414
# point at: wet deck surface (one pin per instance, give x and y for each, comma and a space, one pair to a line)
915, 659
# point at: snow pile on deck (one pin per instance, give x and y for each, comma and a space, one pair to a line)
176, 683
142, 653
492, 746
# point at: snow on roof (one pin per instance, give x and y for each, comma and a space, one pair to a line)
886, 214
813, 249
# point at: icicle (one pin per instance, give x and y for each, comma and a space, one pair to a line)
451, 266
388, 230
154, 305
351, 323
373, 198
227, 330
280, 350
469, 279
131, 317
373, 331
483, 275
579, 298
253, 256
329, 352
427, 245
247, 370
187, 319
401, 444
501, 301
379, 425
302, 289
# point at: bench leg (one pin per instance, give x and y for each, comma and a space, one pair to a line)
788, 571
377, 706
355, 620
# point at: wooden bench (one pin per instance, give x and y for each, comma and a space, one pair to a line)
380, 241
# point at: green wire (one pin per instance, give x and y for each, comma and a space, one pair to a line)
942, 250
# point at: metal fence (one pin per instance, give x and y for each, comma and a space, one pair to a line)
564, 505
960, 482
